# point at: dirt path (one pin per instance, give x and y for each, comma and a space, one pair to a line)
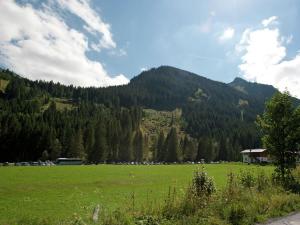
293, 219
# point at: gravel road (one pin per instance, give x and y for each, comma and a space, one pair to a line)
293, 219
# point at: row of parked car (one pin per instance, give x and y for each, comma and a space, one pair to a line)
38, 163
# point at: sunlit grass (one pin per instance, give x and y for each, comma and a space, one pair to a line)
60, 191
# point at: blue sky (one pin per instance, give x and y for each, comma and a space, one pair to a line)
107, 42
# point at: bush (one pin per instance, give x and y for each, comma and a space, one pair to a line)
295, 185
247, 179
237, 214
202, 184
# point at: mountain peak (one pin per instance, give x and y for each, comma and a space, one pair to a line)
239, 80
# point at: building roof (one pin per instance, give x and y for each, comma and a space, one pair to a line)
258, 150
68, 159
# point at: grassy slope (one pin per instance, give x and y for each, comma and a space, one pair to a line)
61, 104
58, 192
64, 104
3, 84
155, 121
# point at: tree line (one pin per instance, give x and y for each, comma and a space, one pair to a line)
104, 124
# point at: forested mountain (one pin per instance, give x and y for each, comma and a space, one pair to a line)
195, 118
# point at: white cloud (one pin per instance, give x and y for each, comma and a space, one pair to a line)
264, 60
94, 24
269, 21
227, 34
38, 44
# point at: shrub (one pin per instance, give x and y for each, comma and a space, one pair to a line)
202, 184
294, 186
247, 179
237, 214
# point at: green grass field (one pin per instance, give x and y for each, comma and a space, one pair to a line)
60, 191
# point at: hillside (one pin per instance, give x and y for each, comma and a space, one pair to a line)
212, 120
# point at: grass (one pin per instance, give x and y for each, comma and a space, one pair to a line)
61, 104
3, 85
59, 192
155, 121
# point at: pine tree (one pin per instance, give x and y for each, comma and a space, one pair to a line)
113, 140
45, 155
200, 150
223, 149
125, 153
189, 149
89, 142
100, 147
55, 149
138, 146
172, 146
205, 149
160, 150
76, 146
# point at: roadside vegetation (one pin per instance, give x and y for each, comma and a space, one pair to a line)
280, 125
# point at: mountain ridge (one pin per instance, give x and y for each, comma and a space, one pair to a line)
216, 116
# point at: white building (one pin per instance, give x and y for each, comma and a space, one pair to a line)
255, 155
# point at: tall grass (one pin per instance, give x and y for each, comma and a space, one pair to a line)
249, 197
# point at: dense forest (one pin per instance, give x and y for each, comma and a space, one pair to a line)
46, 120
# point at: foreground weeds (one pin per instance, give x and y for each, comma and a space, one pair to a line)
249, 197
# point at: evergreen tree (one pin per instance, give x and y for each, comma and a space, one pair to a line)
55, 149
172, 146
89, 142
76, 146
45, 155
125, 153
223, 149
138, 146
189, 151
115, 139
99, 152
200, 150
160, 150
206, 149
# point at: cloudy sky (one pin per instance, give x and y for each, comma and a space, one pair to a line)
107, 42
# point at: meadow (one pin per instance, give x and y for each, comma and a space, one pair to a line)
59, 192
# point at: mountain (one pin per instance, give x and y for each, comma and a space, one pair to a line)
167, 88
259, 91
213, 120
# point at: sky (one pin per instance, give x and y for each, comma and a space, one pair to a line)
107, 42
